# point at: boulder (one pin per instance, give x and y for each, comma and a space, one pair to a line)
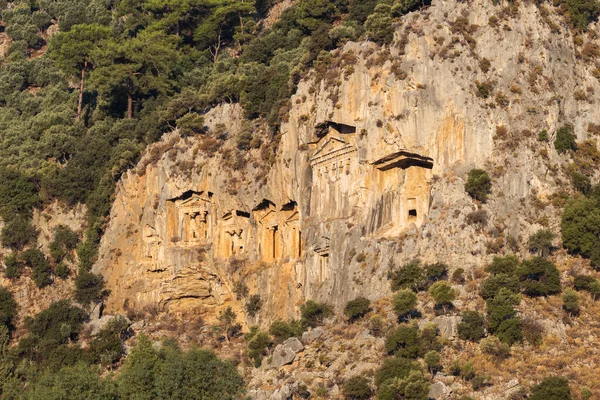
96, 326
293, 344
312, 335
438, 391
282, 356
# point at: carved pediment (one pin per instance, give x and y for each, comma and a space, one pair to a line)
403, 159
331, 148
294, 217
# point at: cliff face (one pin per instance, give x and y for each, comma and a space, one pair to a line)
369, 172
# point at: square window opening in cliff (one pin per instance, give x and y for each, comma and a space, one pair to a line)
412, 213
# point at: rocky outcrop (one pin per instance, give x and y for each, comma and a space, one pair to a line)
369, 172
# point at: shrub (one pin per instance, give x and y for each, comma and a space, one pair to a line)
478, 218
442, 293
492, 285
394, 368
586, 393
253, 305
314, 313
377, 327
432, 360
543, 136
404, 341
404, 302
458, 276
580, 227
414, 386
18, 233
409, 276
357, 388
501, 308
89, 287
429, 338
565, 139
587, 283
580, 182
282, 330
551, 388
479, 184
106, 347
63, 242
509, 331
258, 343
541, 242
494, 347
40, 268
12, 266
582, 12
571, 301
539, 277
435, 272
8, 307
379, 25
479, 382
467, 372
471, 326
504, 265
357, 308
62, 271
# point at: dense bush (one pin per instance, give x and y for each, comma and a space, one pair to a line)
89, 287
541, 242
404, 302
494, 347
404, 341
106, 347
8, 307
63, 243
478, 185
18, 233
357, 308
492, 285
565, 139
580, 227
409, 276
551, 388
12, 266
357, 388
538, 277
504, 265
571, 301
394, 368
442, 293
472, 326
313, 313
258, 343
414, 386
40, 268
587, 283
282, 330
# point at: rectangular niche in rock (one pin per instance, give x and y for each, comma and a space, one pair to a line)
403, 181
234, 227
190, 218
334, 164
321, 248
292, 233
269, 235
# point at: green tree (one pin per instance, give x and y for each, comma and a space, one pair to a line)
571, 301
379, 25
357, 308
18, 233
565, 139
432, 360
137, 67
313, 313
393, 368
472, 326
539, 277
258, 343
404, 341
414, 387
138, 375
409, 276
504, 265
357, 388
479, 184
541, 242
64, 241
73, 51
551, 388
40, 269
8, 307
442, 293
89, 287
404, 302
580, 227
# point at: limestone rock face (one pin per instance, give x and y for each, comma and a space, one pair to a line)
368, 173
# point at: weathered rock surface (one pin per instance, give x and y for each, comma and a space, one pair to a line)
369, 173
